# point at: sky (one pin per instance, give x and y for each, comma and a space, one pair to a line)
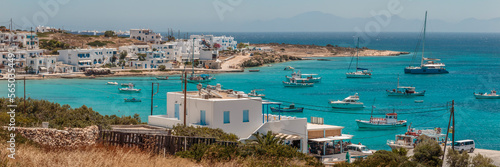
191, 15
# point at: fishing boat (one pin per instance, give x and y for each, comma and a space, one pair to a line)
390, 121
254, 93
289, 68
404, 91
303, 78
291, 108
130, 88
162, 78
360, 72
408, 140
133, 100
427, 65
351, 102
203, 78
256, 70
293, 83
112, 83
492, 95
419, 101
126, 84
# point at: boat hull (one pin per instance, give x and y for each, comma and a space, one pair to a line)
358, 75
425, 71
305, 80
367, 125
288, 84
486, 97
133, 100
347, 105
390, 93
287, 110
397, 146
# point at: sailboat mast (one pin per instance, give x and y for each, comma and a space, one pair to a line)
398, 81
192, 59
423, 41
357, 55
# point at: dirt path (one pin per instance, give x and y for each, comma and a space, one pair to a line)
234, 62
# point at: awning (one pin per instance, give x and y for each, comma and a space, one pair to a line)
288, 137
84, 61
43, 68
332, 138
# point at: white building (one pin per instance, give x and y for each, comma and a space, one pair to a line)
44, 29
135, 49
86, 58
146, 35
152, 60
225, 42
233, 112
42, 64
20, 40
20, 56
171, 49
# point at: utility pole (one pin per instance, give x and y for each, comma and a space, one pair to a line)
31, 39
452, 114
24, 102
185, 97
152, 93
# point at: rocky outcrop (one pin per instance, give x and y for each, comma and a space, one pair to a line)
69, 137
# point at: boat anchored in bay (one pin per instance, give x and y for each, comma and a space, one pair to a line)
351, 102
303, 78
360, 72
404, 91
492, 95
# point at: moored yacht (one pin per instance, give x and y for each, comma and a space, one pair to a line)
360, 72
492, 95
404, 91
130, 88
390, 121
304, 78
427, 65
351, 102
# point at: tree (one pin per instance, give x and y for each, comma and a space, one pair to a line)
109, 33
142, 56
455, 159
428, 152
123, 55
480, 160
161, 67
268, 139
241, 45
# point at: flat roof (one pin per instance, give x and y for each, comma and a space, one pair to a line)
224, 95
311, 126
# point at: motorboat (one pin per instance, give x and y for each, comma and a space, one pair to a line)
351, 102
404, 91
492, 95
419, 101
112, 83
427, 65
291, 108
126, 84
256, 70
289, 68
253, 93
203, 78
360, 72
132, 100
130, 88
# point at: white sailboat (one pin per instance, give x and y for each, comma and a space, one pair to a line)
360, 72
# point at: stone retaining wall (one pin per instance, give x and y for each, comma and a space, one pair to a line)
69, 137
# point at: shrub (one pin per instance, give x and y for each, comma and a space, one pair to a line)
218, 134
161, 67
99, 43
428, 152
455, 159
109, 33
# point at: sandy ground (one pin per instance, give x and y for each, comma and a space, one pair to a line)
235, 62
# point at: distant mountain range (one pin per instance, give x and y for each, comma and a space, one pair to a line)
319, 21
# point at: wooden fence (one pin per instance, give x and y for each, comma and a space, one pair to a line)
157, 143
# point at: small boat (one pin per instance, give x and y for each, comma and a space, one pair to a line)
303, 78
427, 65
292, 83
360, 72
112, 83
130, 88
254, 93
133, 100
404, 91
408, 140
257, 70
351, 102
126, 84
289, 109
162, 78
492, 95
289, 68
390, 121
419, 101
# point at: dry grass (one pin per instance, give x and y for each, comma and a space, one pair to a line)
30, 156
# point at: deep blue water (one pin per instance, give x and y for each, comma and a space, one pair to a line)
471, 58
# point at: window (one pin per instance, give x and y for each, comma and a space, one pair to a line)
226, 117
245, 116
176, 111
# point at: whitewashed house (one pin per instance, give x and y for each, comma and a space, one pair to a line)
86, 58
171, 49
152, 60
20, 40
20, 56
42, 64
146, 35
44, 29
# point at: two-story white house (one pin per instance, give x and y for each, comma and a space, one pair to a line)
86, 58
146, 35
20, 56
42, 63
20, 40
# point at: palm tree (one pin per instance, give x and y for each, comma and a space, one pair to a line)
267, 140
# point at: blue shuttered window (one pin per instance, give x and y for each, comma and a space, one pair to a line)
245, 116
226, 117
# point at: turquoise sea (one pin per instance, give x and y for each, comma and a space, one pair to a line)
471, 58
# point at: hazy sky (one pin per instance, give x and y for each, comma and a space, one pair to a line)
188, 14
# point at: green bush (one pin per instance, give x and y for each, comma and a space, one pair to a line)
99, 43
218, 134
455, 159
34, 112
53, 45
428, 152
161, 67
109, 33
